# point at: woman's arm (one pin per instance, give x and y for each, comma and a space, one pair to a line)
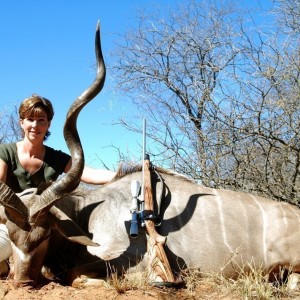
94, 176
3, 170
97, 176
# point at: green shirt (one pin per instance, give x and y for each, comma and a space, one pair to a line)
18, 179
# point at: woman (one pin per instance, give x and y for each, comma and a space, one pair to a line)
29, 163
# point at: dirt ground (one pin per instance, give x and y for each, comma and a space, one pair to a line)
54, 291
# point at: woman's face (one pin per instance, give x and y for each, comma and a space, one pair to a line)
36, 126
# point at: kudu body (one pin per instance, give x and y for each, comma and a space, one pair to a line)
207, 229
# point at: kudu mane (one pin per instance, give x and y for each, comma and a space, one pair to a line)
125, 169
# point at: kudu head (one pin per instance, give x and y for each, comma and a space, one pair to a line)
29, 217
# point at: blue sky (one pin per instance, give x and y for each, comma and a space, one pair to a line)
47, 48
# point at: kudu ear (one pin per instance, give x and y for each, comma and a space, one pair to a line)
69, 229
15, 209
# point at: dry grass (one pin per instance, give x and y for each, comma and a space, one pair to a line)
251, 285
129, 282
133, 280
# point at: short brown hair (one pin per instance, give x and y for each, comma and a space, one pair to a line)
33, 105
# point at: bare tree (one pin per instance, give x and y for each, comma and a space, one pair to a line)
221, 97
175, 67
288, 15
10, 130
269, 126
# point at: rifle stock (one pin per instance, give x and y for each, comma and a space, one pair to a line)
160, 269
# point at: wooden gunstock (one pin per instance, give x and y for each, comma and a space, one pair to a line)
160, 269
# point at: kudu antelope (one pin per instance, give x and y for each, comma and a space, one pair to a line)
208, 229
